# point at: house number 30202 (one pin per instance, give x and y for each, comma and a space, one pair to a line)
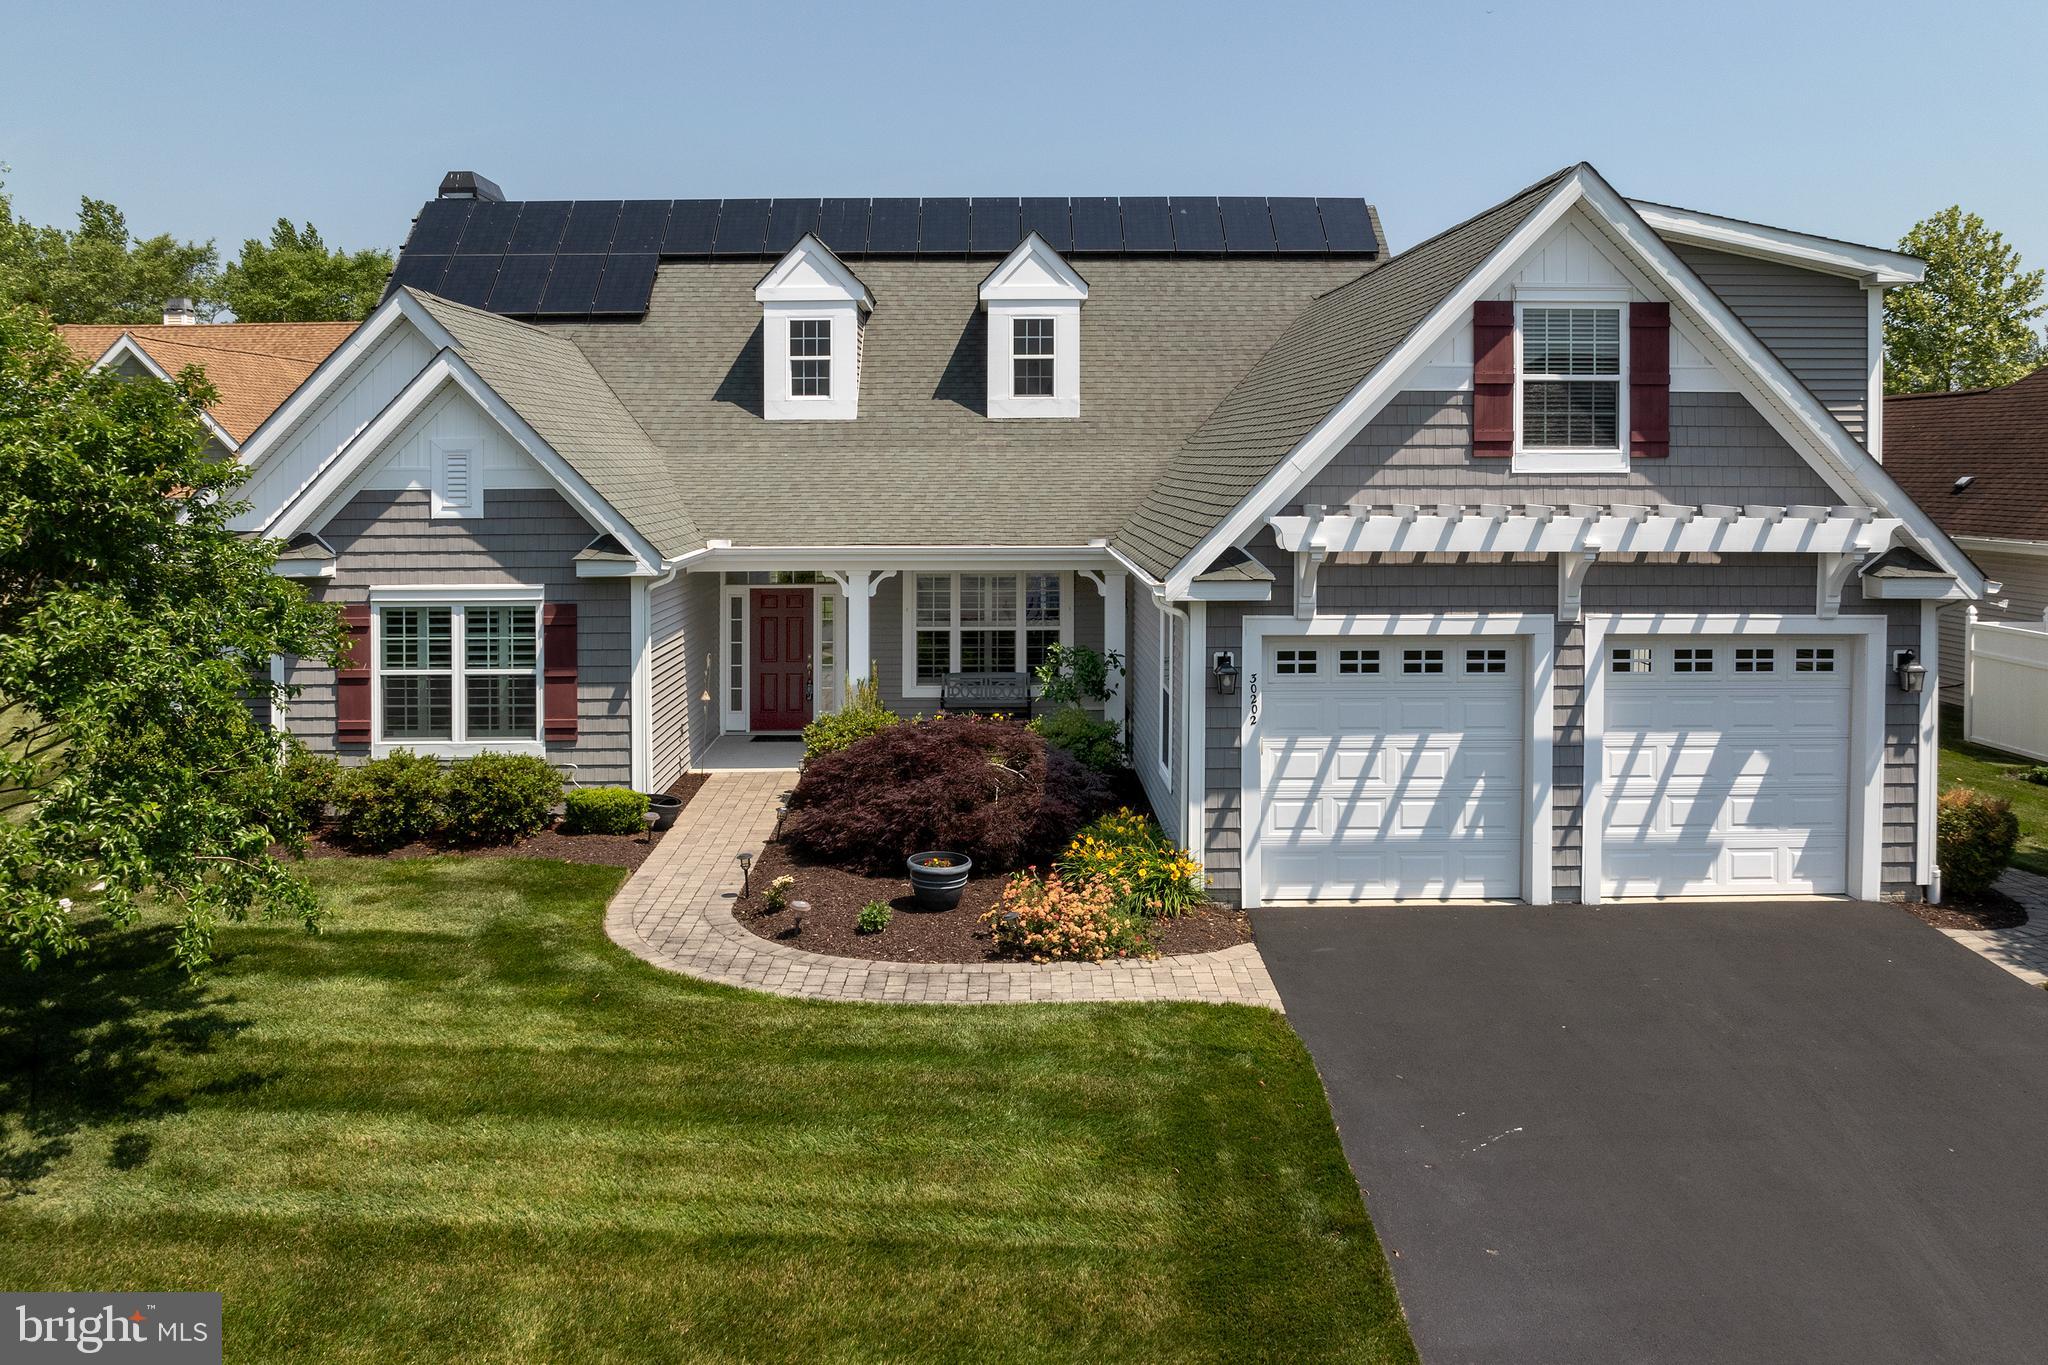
1252, 692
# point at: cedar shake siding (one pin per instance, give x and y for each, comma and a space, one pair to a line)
531, 536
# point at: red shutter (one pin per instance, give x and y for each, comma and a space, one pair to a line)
1493, 379
1649, 380
352, 678
558, 695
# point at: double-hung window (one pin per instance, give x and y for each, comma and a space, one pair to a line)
458, 673
1571, 379
1031, 357
981, 623
810, 358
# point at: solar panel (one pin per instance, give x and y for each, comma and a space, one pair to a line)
468, 279
1247, 226
573, 283
843, 225
418, 271
439, 226
692, 228
521, 279
1197, 226
489, 230
892, 227
1098, 225
1347, 227
742, 227
1050, 219
1148, 225
540, 225
641, 223
627, 284
591, 222
1297, 227
788, 221
942, 228
995, 227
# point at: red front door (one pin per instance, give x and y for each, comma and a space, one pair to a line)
781, 663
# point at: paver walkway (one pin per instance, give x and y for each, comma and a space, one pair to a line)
2022, 951
675, 911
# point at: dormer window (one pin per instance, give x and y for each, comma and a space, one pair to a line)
812, 311
1034, 333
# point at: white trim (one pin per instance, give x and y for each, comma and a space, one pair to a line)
730, 721
1163, 735
304, 568
1873, 265
1194, 756
1538, 632
445, 456
1998, 545
1866, 730
1567, 459
126, 345
1928, 757
838, 558
1501, 528
840, 284
639, 697
1233, 590
1873, 349
439, 594
910, 687
457, 598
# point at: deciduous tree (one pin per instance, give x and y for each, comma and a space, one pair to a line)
97, 272
296, 278
1971, 324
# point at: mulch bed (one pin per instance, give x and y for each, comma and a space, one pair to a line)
609, 850
1991, 910
837, 895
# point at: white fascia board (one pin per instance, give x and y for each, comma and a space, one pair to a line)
718, 556
1130, 566
401, 307
303, 568
1999, 546
1869, 264
836, 283
323, 494
1364, 402
1054, 280
127, 347
1243, 590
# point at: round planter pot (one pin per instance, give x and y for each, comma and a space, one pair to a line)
664, 809
939, 888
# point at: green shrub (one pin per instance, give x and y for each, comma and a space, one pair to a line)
863, 715
1974, 836
1130, 857
391, 801
874, 918
1073, 674
1092, 742
776, 895
604, 810
496, 798
1054, 921
2038, 775
308, 782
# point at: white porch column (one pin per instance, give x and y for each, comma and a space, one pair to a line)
860, 591
1115, 640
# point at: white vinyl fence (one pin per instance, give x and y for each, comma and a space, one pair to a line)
2005, 692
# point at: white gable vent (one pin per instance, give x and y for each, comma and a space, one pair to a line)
458, 488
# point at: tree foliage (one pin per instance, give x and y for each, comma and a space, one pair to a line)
1971, 323
97, 272
136, 631
296, 278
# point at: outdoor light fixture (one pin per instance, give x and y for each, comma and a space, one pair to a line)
1223, 666
1910, 672
746, 862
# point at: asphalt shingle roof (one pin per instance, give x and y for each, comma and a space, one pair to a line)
255, 366
1997, 436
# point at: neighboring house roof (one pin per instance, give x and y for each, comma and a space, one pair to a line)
255, 366
1323, 355
1998, 438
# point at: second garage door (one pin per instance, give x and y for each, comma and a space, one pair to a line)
1726, 763
1391, 769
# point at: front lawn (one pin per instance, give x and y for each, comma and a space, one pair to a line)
463, 1125
1993, 772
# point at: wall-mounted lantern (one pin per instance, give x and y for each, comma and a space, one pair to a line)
1223, 668
1910, 672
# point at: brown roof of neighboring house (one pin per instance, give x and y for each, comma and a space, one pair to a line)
254, 365
1998, 438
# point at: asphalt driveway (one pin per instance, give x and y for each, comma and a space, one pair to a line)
1813, 1132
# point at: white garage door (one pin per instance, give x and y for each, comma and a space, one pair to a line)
1391, 769
1727, 767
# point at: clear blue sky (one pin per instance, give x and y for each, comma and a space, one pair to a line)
211, 121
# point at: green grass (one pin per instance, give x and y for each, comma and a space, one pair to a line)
461, 1124
1993, 772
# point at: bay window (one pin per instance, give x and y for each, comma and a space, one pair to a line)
458, 673
980, 623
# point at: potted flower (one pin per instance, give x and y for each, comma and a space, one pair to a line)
664, 809
937, 879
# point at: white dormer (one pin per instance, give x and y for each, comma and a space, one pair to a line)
812, 307
1034, 333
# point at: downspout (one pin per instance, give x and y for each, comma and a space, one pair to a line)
1194, 720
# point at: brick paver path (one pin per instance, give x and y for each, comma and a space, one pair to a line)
675, 911
2022, 951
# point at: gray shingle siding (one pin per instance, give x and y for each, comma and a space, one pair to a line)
682, 621
531, 536
885, 637
1819, 325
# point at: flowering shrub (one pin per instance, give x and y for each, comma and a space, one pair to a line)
1051, 920
1129, 857
777, 894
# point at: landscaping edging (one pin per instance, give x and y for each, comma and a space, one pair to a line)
675, 912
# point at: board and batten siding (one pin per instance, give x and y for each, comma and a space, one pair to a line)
386, 537
1819, 325
682, 632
